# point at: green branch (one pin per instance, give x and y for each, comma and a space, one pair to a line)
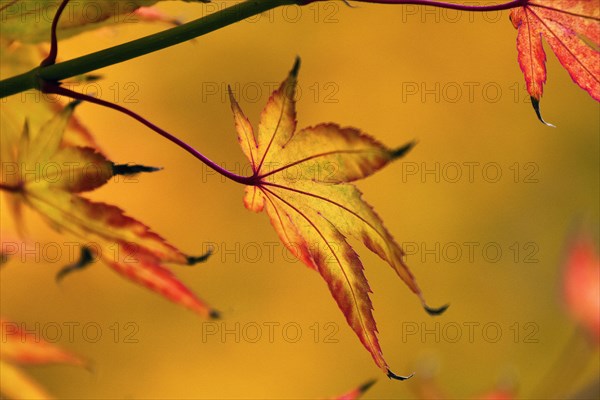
149, 44
139, 47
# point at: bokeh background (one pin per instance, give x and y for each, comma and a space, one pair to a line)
449, 80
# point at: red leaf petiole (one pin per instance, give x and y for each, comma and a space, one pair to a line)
55, 88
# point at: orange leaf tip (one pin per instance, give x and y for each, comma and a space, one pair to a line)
391, 375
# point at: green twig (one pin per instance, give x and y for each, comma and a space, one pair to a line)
139, 47
183, 33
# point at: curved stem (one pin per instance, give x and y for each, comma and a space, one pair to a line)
48, 87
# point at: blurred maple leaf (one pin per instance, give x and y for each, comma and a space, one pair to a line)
40, 173
302, 181
427, 388
572, 29
581, 284
23, 348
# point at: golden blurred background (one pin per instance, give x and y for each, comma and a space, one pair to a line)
486, 176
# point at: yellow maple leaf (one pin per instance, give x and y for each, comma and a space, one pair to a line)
302, 180
46, 176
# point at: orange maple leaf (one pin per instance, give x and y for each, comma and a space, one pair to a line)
581, 284
48, 177
23, 348
301, 178
572, 29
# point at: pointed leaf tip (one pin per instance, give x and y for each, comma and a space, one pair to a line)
391, 375
536, 106
402, 151
295, 68
214, 314
132, 169
191, 260
436, 311
367, 385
